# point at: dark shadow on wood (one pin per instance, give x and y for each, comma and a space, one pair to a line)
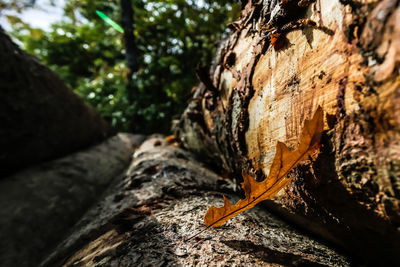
268, 255
325, 208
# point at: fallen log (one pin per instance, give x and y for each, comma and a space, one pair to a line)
146, 218
40, 204
41, 117
283, 60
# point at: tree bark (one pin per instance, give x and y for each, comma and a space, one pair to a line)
340, 55
41, 203
144, 219
131, 54
129, 37
41, 118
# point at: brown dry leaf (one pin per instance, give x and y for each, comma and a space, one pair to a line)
173, 140
284, 161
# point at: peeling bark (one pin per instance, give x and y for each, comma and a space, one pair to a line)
341, 55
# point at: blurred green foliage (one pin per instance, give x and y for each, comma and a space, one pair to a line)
172, 37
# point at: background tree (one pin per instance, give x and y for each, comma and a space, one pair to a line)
171, 37
17, 5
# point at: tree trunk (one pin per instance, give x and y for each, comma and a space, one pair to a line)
283, 60
40, 204
41, 118
129, 37
144, 219
131, 54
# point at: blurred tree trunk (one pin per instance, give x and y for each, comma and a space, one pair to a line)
129, 37
345, 59
127, 22
41, 118
41, 203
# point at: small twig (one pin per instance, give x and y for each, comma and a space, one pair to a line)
193, 236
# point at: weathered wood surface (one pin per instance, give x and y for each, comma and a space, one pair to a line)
144, 219
41, 203
257, 95
41, 118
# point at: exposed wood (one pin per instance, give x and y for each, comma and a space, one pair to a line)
341, 55
40, 117
40, 204
145, 218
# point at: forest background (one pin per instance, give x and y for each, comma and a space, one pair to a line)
171, 38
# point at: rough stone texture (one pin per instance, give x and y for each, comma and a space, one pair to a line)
144, 219
41, 118
39, 204
346, 60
